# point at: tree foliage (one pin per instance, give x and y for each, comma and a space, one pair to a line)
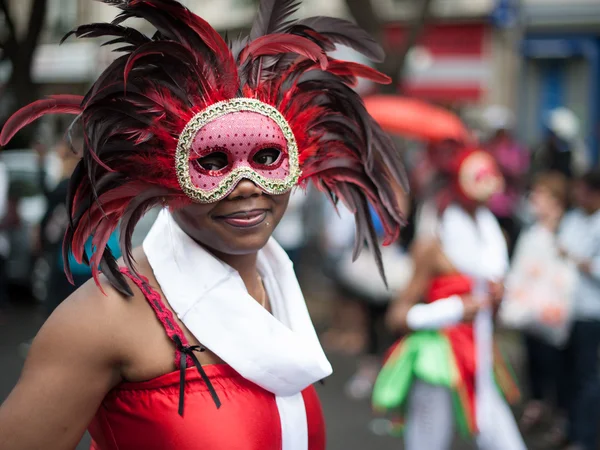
19, 49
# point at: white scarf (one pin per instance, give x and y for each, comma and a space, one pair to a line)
279, 352
474, 245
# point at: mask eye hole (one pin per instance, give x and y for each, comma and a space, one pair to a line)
213, 161
268, 156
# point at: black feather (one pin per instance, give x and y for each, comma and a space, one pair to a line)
108, 182
111, 74
110, 269
237, 46
273, 17
308, 33
93, 30
346, 33
136, 209
355, 200
74, 182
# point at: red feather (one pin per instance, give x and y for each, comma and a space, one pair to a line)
338, 67
276, 44
55, 104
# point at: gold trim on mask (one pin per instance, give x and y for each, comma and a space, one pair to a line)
186, 139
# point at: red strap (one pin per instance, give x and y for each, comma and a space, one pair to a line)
164, 314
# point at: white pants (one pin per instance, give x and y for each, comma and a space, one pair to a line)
430, 422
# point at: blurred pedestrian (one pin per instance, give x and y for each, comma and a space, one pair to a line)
580, 241
513, 161
538, 301
562, 150
443, 373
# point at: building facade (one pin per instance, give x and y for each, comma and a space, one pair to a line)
561, 66
452, 61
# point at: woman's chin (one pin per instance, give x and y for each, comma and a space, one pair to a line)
246, 244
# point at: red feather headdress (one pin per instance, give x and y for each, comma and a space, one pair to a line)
135, 112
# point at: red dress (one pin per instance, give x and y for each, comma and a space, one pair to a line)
144, 415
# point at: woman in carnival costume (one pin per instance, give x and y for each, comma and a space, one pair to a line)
443, 374
201, 337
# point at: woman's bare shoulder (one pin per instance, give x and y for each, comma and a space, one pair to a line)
74, 361
92, 299
102, 297
425, 249
95, 316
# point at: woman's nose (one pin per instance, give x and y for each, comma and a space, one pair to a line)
245, 189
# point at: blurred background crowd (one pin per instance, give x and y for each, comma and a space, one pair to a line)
521, 76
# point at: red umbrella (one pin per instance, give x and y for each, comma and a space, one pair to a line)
415, 119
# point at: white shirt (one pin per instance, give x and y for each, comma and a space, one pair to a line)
579, 235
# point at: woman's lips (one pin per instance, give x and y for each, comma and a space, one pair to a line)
245, 219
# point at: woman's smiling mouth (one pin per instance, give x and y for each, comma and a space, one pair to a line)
245, 219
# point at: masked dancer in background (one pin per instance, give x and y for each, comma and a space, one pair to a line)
443, 375
200, 338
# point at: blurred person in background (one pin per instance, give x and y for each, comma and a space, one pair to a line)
548, 202
4, 242
513, 160
206, 321
580, 243
443, 374
561, 150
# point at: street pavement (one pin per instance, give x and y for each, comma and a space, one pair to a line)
348, 421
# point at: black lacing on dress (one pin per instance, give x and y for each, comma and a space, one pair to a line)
185, 353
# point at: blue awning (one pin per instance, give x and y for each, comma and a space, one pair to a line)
565, 15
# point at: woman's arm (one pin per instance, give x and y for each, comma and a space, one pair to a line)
434, 316
73, 363
423, 254
407, 314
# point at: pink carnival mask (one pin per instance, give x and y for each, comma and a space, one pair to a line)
233, 140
